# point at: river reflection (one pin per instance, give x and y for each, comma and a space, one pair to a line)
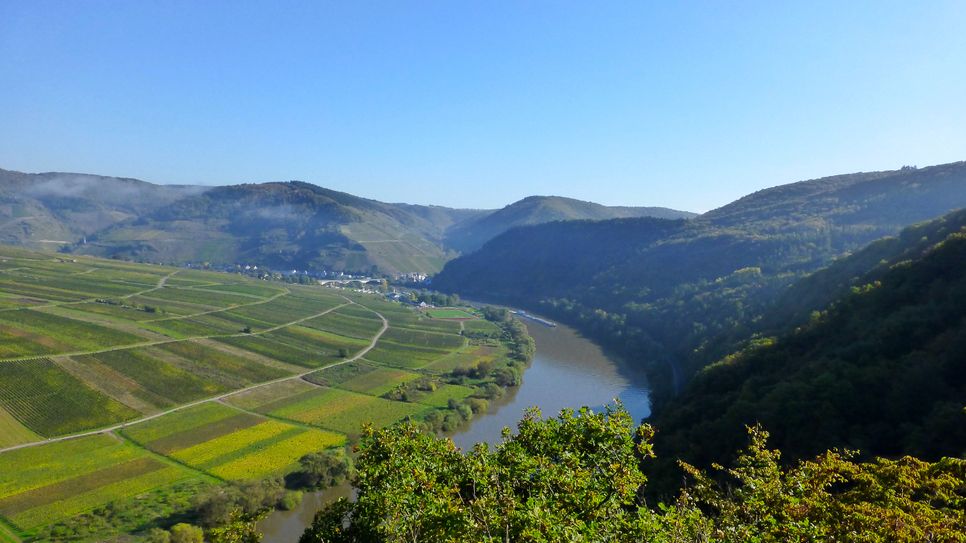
567, 371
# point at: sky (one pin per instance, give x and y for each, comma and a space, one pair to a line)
684, 104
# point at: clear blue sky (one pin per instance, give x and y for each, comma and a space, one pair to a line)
477, 104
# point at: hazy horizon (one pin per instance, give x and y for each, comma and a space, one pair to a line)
687, 107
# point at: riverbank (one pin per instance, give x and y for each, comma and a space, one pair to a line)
567, 371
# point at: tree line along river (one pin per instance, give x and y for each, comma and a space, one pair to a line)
568, 371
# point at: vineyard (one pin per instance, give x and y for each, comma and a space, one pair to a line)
149, 381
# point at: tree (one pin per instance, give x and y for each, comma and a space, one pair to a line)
241, 528
322, 469
157, 535
577, 477
574, 477
186, 533
832, 498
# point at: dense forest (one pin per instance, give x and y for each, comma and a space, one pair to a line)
881, 371
659, 292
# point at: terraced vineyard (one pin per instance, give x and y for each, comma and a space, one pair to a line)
124, 382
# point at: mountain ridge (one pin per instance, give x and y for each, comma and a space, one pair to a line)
282, 225
656, 299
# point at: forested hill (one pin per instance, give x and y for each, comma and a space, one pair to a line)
278, 225
882, 370
472, 234
658, 291
286, 225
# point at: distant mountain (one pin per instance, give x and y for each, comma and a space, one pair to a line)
470, 235
285, 225
291, 225
659, 291
48, 210
878, 365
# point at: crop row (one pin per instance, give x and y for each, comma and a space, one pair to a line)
49, 401
341, 410
83, 502
215, 365
420, 338
343, 324
154, 375
379, 381
283, 309
178, 422
35, 467
79, 335
404, 356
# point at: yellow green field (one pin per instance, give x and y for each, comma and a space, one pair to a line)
179, 377
12, 432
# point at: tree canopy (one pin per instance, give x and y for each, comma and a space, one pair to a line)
578, 477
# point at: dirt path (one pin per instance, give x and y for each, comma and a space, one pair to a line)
358, 355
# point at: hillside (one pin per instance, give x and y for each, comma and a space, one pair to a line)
47, 210
880, 370
656, 291
470, 235
293, 225
284, 226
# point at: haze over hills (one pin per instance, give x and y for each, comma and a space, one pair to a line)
657, 290
280, 225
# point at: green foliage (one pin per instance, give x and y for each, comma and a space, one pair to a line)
241, 528
186, 533
322, 470
881, 371
577, 478
569, 478
223, 505
831, 498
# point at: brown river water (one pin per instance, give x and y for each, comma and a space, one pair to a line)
568, 371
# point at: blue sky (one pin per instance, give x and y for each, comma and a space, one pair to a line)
477, 104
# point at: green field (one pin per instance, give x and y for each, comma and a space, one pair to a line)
403, 356
49, 483
12, 432
379, 381
449, 313
340, 410
272, 371
49, 401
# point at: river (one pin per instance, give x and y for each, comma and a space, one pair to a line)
567, 371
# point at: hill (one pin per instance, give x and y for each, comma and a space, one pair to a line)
657, 290
48, 210
284, 226
291, 225
880, 369
470, 235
